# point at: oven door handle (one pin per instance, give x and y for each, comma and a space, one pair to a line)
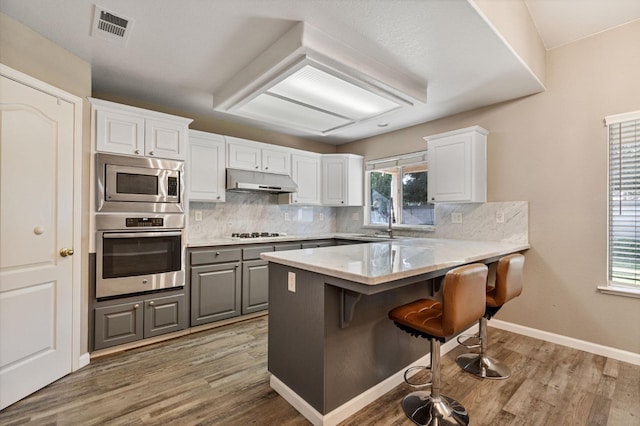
141, 234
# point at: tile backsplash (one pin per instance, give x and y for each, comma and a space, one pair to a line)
262, 213
479, 222
257, 213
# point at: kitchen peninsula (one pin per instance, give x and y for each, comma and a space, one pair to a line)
329, 337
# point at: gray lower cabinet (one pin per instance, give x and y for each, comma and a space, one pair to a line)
255, 278
255, 286
127, 322
215, 292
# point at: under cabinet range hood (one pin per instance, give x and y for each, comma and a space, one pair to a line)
250, 181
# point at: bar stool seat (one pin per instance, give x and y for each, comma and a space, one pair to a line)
463, 303
509, 278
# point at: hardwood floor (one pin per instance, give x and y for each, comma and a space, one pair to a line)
219, 377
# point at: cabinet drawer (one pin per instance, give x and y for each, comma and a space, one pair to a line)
253, 252
215, 256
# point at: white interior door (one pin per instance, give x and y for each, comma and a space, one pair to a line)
36, 223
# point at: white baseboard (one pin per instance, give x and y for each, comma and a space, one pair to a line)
84, 360
583, 345
359, 402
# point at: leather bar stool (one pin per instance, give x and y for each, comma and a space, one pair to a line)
508, 285
463, 303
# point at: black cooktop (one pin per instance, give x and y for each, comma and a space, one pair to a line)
254, 234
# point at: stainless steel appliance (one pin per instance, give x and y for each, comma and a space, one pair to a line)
138, 253
139, 184
253, 181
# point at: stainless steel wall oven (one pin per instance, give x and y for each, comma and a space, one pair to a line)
137, 253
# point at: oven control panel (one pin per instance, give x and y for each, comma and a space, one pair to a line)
141, 222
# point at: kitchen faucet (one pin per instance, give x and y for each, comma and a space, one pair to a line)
390, 227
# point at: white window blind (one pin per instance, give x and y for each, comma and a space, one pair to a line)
624, 200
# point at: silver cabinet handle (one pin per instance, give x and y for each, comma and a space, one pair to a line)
152, 303
151, 153
137, 151
136, 306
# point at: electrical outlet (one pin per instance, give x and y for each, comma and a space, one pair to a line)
321, 216
456, 217
286, 217
291, 282
499, 217
198, 215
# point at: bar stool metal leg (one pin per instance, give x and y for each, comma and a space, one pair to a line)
432, 408
480, 364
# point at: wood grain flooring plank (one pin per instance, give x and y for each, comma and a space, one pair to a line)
625, 403
219, 377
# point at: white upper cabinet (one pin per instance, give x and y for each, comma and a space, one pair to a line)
306, 172
205, 169
122, 129
248, 155
342, 180
458, 166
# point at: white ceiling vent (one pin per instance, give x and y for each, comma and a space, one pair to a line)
111, 27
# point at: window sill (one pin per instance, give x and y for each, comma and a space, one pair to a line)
620, 291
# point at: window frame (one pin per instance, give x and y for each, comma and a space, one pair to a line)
613, 287
399, 162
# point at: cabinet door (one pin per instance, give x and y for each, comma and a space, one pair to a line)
243, 155
165, 139
457, 167
205, 165
306, 172
215, 292
255, 286
334, 177
119, 133
118, 324
164, 315
276, 161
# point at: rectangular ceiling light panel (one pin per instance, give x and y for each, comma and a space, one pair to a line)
313, 99
273, 109
321, 90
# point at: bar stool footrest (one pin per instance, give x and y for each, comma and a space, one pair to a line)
417, 368
462, 341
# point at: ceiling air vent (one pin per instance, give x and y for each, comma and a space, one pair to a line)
111, 27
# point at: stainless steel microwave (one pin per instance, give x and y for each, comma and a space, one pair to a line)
139, 184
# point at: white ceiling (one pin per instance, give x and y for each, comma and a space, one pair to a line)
180, 53
561, 22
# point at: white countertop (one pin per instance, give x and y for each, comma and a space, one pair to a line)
226, 241
381, 262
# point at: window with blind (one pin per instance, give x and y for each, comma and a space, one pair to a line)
624, 201
397, 187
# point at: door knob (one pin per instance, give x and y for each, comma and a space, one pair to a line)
66, 252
